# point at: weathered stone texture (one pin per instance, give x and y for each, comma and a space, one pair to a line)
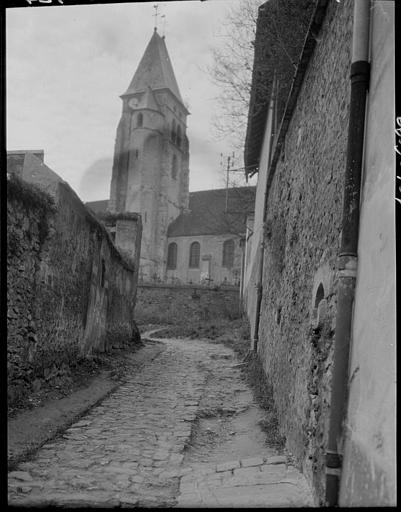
69, 290
193, 303
304, 210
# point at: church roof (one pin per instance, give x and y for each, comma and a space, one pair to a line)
208, 216
155, 69
207, 212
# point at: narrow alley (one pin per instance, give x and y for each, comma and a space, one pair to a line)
184, 431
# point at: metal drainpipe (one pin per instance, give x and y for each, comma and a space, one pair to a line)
347, 260
259, 285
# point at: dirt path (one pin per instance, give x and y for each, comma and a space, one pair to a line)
181, 431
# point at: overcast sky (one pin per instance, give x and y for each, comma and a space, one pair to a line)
67, 65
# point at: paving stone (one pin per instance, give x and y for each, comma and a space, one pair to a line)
227, 466
176, 458
253, 461
276, 459
128, 501
138, 479
83, 423
161, 456
274, 468
127, 452
20, 475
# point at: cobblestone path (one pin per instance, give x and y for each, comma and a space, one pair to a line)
129, 450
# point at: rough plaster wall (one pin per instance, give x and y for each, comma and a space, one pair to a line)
248, 251
59, 306
209, 245
252, 293
369, 457
303, 229
254, 259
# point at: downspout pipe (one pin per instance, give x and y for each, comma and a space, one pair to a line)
259, 284
347, 259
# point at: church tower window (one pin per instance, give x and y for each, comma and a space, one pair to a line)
179, 136
139, 120
194, 255
174, 167
173, 131
228, 254
172, 256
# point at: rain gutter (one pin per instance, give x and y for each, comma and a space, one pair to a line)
347, 259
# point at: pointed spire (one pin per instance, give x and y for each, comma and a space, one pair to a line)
155, 69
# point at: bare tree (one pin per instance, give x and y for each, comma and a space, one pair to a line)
232, 71
266, 37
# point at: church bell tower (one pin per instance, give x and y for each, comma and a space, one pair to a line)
151, 157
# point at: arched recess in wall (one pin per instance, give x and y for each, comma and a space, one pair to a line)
172, 256
319, 295
320, 307
174, 167
228, 253
179, 136
139, 120
194, 255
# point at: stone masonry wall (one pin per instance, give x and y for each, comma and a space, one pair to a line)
69, 290
163, 303
304, 209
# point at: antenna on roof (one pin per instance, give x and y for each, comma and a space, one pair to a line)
156, 14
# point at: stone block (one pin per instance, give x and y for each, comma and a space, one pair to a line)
247, 473
276, 459
227, 466
252, 461
20, 475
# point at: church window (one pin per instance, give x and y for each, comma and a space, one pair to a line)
137, 153
179, 136
172, 256
174, 167
173, 131
194, 255
139, 120
103, 273
228, 254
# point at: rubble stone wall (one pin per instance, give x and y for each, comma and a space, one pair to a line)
70, 292
156, 303
304, 210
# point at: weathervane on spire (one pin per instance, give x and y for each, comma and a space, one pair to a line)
156, 14
164, 24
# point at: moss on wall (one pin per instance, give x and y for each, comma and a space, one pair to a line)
69, 290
